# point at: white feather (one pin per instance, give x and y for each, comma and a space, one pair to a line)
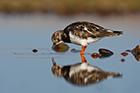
109, 30
85, 28
90, 40
83, 66
86, 78
79, 41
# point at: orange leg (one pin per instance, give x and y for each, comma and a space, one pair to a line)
83, 58
82, 54
83, 50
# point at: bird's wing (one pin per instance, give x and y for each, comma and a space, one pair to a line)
83, 29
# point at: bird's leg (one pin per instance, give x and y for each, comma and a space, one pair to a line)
83, 58
83, 50
82, 54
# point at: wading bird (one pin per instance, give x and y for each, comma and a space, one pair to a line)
82, 33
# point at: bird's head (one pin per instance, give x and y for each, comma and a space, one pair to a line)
57, 37
58, 42
56, 69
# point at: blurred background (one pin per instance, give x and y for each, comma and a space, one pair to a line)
69, 7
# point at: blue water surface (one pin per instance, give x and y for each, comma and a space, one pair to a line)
22, 71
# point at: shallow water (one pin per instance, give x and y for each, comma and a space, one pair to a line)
22, 71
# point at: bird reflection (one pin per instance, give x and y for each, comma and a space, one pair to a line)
82, 74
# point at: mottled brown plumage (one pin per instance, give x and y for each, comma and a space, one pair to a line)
82, 30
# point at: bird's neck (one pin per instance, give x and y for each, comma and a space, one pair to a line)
66, 38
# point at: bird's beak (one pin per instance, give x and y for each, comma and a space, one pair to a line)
56, 45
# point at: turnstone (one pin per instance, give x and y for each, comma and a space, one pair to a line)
82, 33
82, 74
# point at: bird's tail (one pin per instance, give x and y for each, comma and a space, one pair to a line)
114, 33
118, 32
114, 74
